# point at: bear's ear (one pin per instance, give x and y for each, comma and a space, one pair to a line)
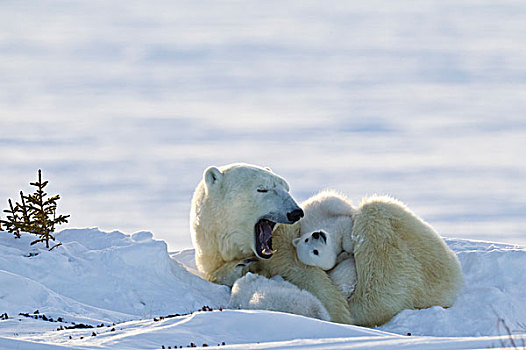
267, 168
295, 241
212, 176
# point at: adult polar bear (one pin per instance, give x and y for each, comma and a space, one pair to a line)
398, 256
392, 260
234, 212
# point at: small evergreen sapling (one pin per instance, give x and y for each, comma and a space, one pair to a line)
42, 209
35, 214
12, 224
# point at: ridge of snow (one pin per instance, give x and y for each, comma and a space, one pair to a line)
132, 275
111, 277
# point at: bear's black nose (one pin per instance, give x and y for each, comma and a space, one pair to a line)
295, 215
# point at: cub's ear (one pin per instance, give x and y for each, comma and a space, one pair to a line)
295, 241
267, 168
212, 176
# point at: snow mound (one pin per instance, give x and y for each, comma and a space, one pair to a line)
31, 295
237, 329
131, 280
130, 277
213, 328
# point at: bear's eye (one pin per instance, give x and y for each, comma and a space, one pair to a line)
262, 190
306, 240
315, 251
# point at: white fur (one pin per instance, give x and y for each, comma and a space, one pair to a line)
400, 262
320, 244
233, 218
331, 214
260, 293
388, 259
225, 209
344, 275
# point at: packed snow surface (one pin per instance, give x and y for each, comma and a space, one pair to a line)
132, 285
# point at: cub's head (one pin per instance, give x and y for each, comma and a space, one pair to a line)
315, 249
239, 206
326, 229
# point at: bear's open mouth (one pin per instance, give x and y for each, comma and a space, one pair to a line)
263, 233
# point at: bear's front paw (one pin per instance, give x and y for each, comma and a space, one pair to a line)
247, 265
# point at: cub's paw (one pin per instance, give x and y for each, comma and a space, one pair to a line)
232, 271
246, 264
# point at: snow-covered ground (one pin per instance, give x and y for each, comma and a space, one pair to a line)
123, 104
142, 297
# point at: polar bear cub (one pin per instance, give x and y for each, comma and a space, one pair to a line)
256, 292
324, 229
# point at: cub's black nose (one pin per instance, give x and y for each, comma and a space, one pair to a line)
320, 234
295, 215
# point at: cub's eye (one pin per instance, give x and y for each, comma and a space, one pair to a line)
315, 251
262, 190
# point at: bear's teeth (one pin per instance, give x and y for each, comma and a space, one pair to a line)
268, 251
264, 237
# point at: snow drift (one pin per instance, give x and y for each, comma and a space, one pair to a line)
127, 276
111, 277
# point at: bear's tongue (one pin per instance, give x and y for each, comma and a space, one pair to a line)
265, 234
